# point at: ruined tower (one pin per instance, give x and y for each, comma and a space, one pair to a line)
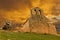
38, 23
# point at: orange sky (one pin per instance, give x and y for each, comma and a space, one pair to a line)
20, 9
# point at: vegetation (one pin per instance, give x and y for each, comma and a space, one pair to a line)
26, 36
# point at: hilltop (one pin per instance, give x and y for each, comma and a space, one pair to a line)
26, 36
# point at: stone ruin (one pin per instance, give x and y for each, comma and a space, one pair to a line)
38, 23
12, 26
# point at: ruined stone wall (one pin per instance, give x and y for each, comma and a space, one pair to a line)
38, 23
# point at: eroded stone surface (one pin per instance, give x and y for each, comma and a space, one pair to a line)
38, 23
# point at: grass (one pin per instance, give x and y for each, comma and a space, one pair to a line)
26, 36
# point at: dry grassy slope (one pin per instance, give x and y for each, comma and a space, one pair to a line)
25, 36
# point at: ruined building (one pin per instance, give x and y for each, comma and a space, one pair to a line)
10, 25
38, 23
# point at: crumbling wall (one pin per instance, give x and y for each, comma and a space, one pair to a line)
10, 25
38, 23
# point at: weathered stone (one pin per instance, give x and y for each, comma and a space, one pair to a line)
38, 23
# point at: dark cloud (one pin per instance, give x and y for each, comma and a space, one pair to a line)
14, 4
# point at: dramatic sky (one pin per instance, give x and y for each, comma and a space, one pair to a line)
20, 9
14, 4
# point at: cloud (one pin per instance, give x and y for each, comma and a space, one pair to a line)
14, 4
13, 9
